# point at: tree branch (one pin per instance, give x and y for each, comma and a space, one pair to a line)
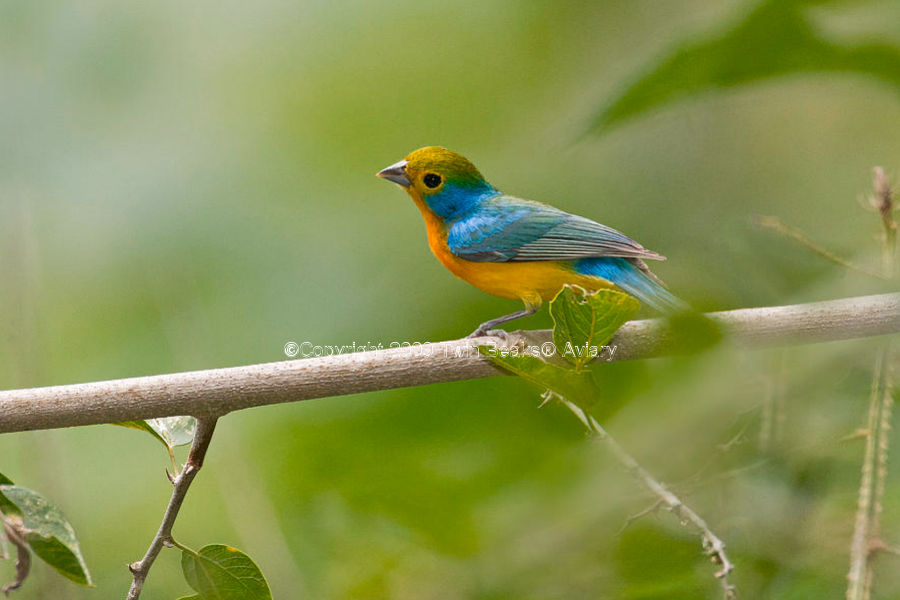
202, 438
219, 391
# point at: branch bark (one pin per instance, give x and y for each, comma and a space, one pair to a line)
219, 391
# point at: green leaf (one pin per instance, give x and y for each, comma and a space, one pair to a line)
170, 431
583, 322
194, 597
621, 382
7, 507
49, 534
577, 387
142, 425
220, 572
176, 431
775, 39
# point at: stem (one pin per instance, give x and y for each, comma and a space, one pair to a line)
175, 544
884, 202
172, 460
859, 546
884, 431
202, 438
779, 226
866, 539
713, 546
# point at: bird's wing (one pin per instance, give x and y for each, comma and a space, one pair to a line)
507, 229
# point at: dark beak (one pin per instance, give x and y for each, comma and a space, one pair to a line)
396, 173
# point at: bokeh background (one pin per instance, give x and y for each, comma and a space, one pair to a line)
190, 185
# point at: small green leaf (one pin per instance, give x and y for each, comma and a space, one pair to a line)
579, 388
583, 321
170, 431
49, 534
776, 38
142, 425
7, 507
220, 572
177, 431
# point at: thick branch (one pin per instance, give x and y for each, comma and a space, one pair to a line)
218, 391
181, 483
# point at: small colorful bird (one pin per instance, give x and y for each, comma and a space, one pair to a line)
515, 248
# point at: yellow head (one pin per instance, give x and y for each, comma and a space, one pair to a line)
429, 170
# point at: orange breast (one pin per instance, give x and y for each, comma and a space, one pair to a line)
531, 282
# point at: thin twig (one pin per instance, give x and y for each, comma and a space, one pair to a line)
856, 434
736, 440
773, 417
884, 443
879, 546
219, 391
789, 231
641, 514
884, 203
866, 539
780, 395
163, 537
713, 546
766, 419
859, 545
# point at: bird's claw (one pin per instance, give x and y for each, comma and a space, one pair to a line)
509, 339
484, 332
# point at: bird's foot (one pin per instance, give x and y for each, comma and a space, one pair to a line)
485, 331
508, 339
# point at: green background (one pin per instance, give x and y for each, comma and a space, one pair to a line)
191, 185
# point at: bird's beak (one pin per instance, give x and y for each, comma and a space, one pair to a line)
396, 173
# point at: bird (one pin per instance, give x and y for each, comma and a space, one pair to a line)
516, 248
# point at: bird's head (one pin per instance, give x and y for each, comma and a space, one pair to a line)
446, 181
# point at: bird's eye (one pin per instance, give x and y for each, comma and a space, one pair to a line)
431, 180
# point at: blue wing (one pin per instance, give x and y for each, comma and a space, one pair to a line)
507, 229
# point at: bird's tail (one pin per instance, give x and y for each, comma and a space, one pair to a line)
633, 276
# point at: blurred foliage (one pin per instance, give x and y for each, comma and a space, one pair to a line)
186, 186
777, 38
